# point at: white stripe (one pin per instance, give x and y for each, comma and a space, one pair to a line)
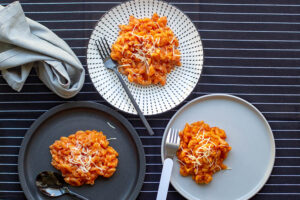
73, 29
284, 184
17, 119
251, 67
9, 182
247, 85
11, 137
247, 31
278, 184
249, 58
214, 39
20, 93
200, 30
271, 175
79, 48
3, 111
37, 102
264, 193
167, 119
243, 22
66, 12
288, 157
252, 94
289, 175
10, 146
187, 12
278, 157
159, 128
150, 146
256, 76
58, 3
45, 102
67, 21
250, 49
235, 58
8, 164
247, 40
155, 191
173, 3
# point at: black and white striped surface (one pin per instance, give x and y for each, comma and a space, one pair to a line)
251, 50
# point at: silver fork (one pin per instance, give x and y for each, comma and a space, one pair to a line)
172, 144
104, 51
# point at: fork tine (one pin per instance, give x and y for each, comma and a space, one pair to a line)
177, 137
104, 47
173, 136
169, 135
98, 47
107, 45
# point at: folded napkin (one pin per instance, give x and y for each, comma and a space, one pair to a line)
26, 44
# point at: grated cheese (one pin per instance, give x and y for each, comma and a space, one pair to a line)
203, 151
82, 159
111, 139
108, 122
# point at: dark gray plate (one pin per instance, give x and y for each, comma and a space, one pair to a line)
66, 119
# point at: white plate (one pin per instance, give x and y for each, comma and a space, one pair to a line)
152, 99
248, 133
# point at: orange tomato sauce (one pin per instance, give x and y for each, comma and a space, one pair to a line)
83, 156
202, 151
146, 50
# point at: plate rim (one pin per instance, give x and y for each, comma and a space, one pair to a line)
273, 147
82, 104
155, 114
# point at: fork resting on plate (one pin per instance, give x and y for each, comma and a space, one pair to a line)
104, 51
172, 144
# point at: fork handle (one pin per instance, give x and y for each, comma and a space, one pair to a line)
165, 179
137, 108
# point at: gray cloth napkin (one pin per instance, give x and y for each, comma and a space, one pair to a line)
26, 44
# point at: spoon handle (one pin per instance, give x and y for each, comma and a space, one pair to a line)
78, 196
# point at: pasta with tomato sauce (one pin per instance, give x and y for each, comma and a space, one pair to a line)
202, 151
146, 50
83, 156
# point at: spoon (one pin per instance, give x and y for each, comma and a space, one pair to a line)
52, 184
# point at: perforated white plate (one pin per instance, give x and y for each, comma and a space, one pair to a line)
152, 99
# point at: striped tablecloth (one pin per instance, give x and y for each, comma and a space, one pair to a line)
252, 50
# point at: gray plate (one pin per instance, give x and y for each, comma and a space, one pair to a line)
248, 133
66, 119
